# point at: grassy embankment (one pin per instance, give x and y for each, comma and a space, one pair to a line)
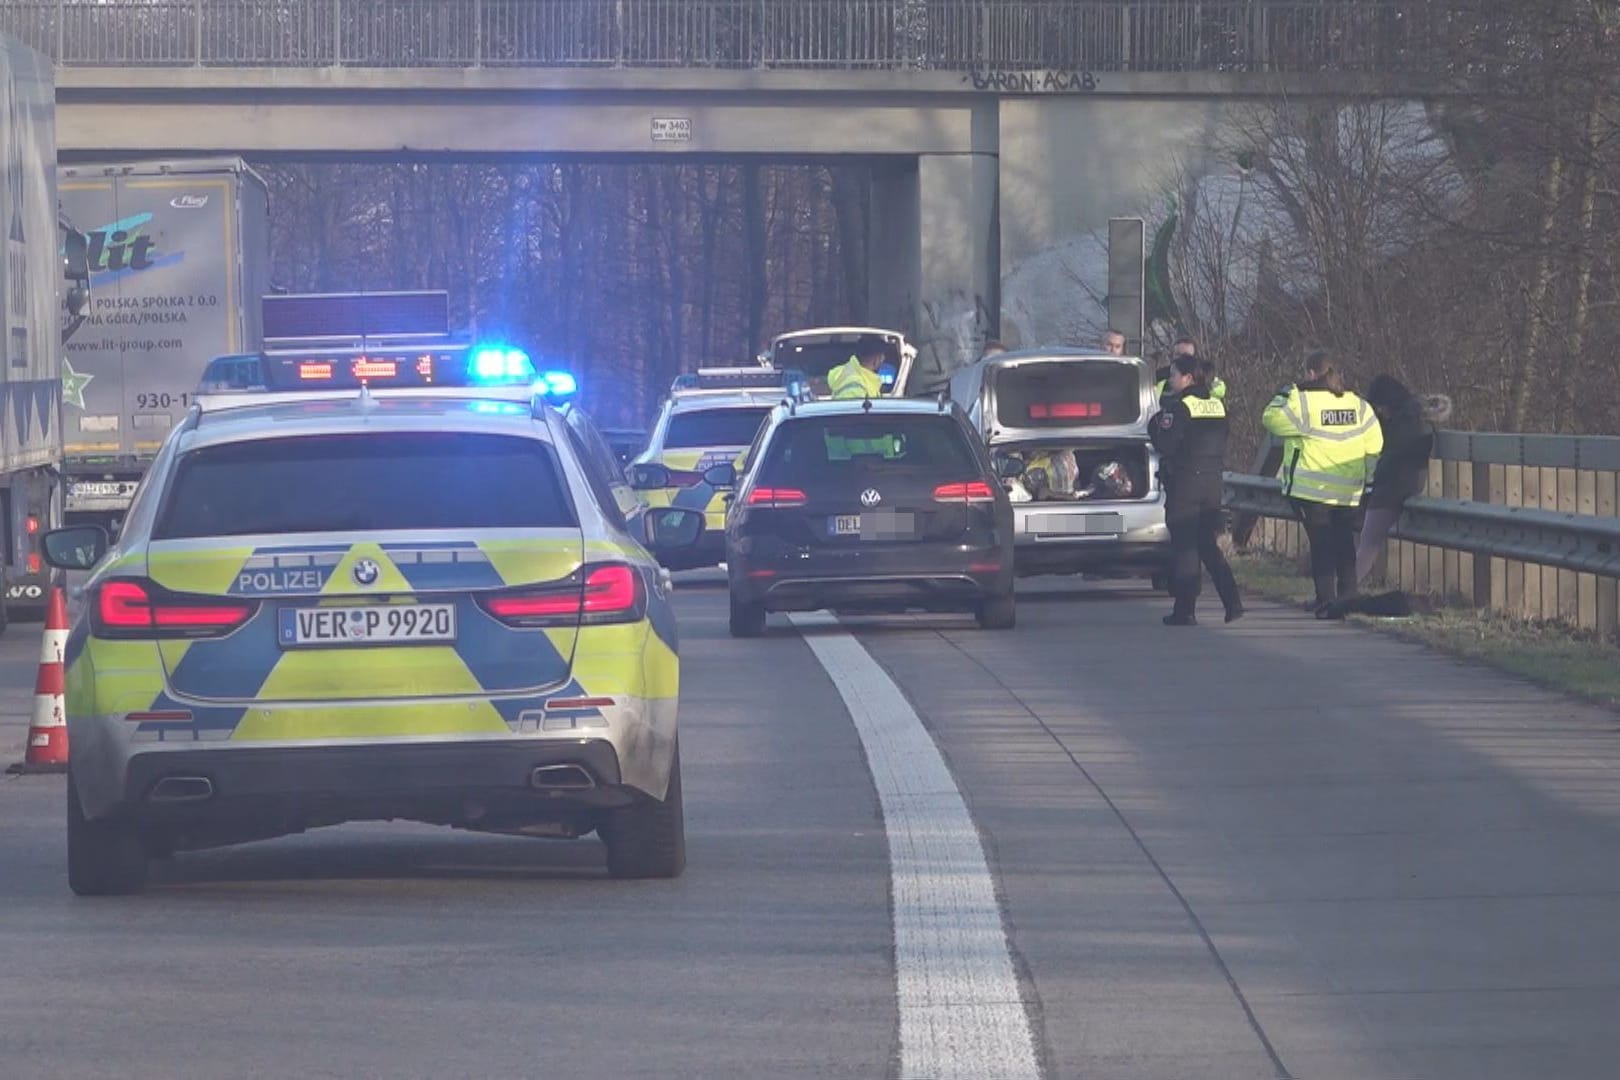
1553, 655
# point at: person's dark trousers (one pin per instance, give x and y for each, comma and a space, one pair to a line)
1195, 526
1331, 531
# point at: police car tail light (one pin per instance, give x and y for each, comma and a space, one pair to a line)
974, 491
131, 608
612, 592
769, 496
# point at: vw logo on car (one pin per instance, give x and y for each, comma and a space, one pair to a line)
871, 497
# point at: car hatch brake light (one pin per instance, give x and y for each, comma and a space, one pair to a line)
611, 593
132, 608
974, 491
777, 496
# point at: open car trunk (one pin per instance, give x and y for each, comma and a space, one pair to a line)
1078, 470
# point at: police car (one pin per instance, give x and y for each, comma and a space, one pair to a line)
710, 418
360, 585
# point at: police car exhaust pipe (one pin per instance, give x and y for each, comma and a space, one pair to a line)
561, 777
173, 789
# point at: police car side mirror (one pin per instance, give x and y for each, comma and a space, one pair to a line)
721, 476
76, 548
648, 477
669, 528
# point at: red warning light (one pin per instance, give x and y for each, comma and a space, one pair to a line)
314, 371
375, 369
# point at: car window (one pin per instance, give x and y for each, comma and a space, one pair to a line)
595, 446
1072, 393
826, 448
372, 482
714, 427
601, 486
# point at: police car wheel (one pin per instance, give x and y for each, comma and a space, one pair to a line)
747, 620
648, 839
105, 858
998, 613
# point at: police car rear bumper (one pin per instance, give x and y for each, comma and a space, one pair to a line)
199, 798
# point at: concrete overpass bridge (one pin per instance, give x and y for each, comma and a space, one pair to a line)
995, 128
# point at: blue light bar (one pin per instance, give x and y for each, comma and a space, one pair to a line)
500, 365
557, 384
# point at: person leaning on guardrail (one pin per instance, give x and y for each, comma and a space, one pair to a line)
1403, 467
1189, 432
1331, 442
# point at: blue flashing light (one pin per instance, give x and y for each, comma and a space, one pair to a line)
500, 364
558, 384
888, 374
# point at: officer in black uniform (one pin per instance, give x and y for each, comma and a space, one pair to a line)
1189, 431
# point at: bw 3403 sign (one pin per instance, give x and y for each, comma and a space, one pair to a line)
672, 129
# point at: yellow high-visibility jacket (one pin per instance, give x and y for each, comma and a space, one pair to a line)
853, 380
1331, 444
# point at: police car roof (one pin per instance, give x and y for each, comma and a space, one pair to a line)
330, 415
880, 406
763, 397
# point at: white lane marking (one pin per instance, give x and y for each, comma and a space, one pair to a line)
961, 1014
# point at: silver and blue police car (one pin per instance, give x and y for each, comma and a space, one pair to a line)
373, 584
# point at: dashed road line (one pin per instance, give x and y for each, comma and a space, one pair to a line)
961, 1011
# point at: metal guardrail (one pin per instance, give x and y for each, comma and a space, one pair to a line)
1579, 542
992, 37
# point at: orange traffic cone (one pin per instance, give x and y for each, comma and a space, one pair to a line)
47, 731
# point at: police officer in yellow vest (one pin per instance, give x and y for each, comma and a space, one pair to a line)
1331, 442
858, 377
1189, 432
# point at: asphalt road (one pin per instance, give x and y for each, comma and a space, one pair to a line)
1281, 848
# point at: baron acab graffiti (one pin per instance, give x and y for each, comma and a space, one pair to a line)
1032, 82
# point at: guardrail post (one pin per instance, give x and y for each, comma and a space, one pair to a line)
61, 31
478, 33
337, 33
1482, 561
197, 33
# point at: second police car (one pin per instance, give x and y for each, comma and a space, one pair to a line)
710, 418
361, 586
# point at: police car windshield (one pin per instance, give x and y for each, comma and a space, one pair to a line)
365, 483
811, 451
1067, 394
713, 427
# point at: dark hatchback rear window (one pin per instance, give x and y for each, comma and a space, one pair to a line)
1069, 394
826, 448
361, 483
713, 427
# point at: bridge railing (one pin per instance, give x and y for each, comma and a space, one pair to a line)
964, 35
1523, 524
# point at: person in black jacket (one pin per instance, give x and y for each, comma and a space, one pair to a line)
1403, 467
1189, 432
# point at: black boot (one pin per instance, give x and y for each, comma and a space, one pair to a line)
1175, 618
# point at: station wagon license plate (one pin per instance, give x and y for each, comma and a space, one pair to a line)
874, 525
1073, 524
375, 624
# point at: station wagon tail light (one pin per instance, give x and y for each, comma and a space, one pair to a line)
974, 491
781, 496
611, 593
132, 608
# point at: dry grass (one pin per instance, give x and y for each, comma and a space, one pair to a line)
1549, 654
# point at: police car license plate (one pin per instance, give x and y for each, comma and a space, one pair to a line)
376, 624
